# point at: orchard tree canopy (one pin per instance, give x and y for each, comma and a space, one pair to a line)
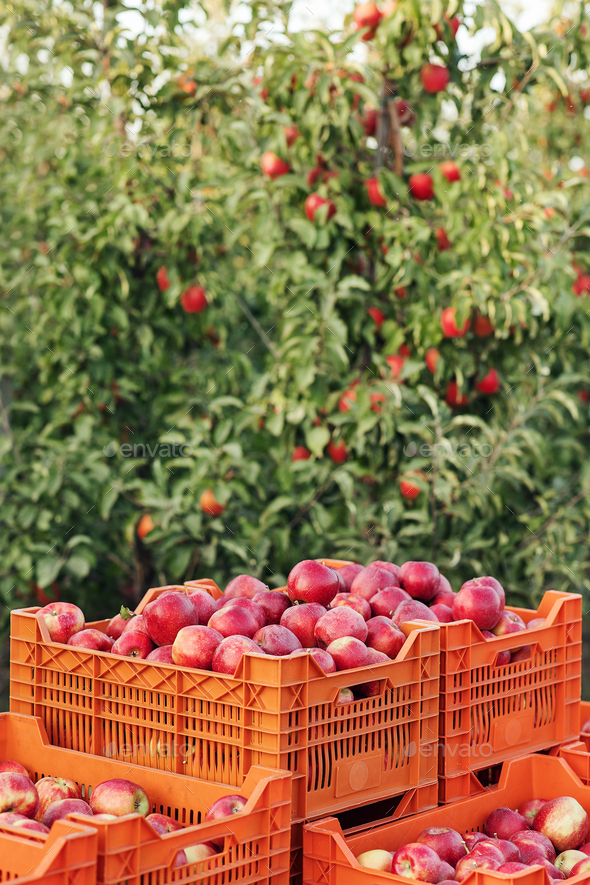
271, 294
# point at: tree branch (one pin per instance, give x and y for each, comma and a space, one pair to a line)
395, 138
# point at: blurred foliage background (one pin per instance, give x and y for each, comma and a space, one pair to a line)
131, 170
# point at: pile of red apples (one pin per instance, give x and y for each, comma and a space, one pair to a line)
344, 618
37, 806
551, 834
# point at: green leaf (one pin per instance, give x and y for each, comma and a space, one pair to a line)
317, 439
48, 568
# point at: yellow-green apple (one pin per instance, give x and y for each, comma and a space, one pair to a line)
133, 644
91, 639
503, 823
532, 844
230, 652
276, 640
469, 863
337, 623
435, 78
320, 656
28, 824
536, 622
447, 843
62, 620
386, 566
162, 823
351, 600
163, 655
419, 579
15, 767
371, 580
204, 604
449, 326
310, 581
377, 859
52, 789
443, 613
385, 602
416, 861
273, 166
348, 653
195, 646
60, 809
234, 621
225, 807
348, 573
346, 696
301, 620
197, 854
273, 603
385, 636
119, 796
412, 610
250, 606
18, 793
244, 585
479, 603
564, 821
421, 186
567, 860
167, 615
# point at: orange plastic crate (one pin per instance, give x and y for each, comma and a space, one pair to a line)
490, 714
67, 855
256, 844
276, 712
329, 855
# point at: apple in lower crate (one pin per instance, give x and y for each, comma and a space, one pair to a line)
310, 581
273, 603
195, 646
249, 605
276, 640
320, 655
567, 860
385, 636
338, 623
348, 653
167, 615
245, 586
420, 579
225, 807
230, 652
522, 654
447, 843
412, 610
349, 572
443, 613
371, 580
96, 817
417, 861
564, 822
377, 859
478, 603
181, 859
163, 655
52, 789
532, 844
60, 809
162, 823
386, 566
133, 645
234, 621
91, 639
469, 863
28, 824
204, 604
356, 603
62, 620
536, 622
503, 823
18, 793
385, 602
15, 767
530, 808
301, 620
200, 853
119, 796
346, 696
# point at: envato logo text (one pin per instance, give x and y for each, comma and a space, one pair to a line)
148, 151
139, 450
472, 152
462, 450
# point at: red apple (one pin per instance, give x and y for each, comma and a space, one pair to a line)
119, 797
348, 573
447, 843
419, 579
471, 839
163, 654
337, 451
348, 653
162, 279
488, 581
449, 326
230, 652
450, 170
445, 594
62, 619
60, 809
412, 610
234, 621
133, 644
15, 767
582, 866
193, 299
431, 358
292, 133
509, 622
276, 640
443, 613
536, 622
469, 863
310, 581
386, 566
533, 845
196, 854
483, 327
530, 808
195, 646
479, 603
417, 861
51, 789
162, 823
421, 186
509, 851
453, 397
28, 824
385, 602
117, 626
442, 239
203, 603
367, 15
245, 586
18, 793
273, 166
91, 639
301, 620
225, 807
488, 848
167, 615
490, 383
273, 603
249, 605
385, 636
377, 859
11, 817
435, 78
357, 603
300, 453
375, 192
503, 823
314, 202
320, 656
137, 623
567, 860
377, 316
337, 623
512, 866
563, 821
371, 580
